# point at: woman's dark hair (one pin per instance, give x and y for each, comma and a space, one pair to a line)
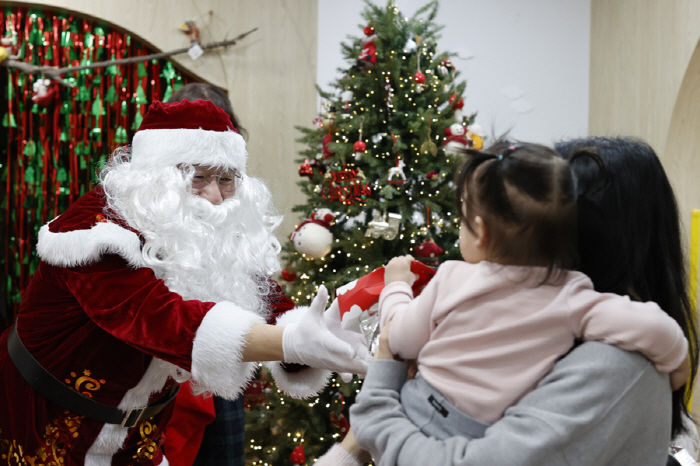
525, 195
202, 91
629, 235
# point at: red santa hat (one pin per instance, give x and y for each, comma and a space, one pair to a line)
194, 132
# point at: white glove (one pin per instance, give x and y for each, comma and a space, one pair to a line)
358, 342
309, 341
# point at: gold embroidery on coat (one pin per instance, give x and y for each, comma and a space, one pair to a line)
148, 446
58, 437
85, 383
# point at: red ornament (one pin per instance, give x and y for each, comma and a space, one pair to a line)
326, 151
369, 30
298, 456
419, 77
254, 395
288, 275
433, 175
359, 146
306, 169
460, 102
428, 252
341, 422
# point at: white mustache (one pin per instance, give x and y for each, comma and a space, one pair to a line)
211, 213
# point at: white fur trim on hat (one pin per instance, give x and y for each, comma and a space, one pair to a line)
218, 348
80, 247
154, 148
304, 383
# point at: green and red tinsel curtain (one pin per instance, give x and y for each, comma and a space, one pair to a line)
51, 154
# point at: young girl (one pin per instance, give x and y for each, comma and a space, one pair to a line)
486, 330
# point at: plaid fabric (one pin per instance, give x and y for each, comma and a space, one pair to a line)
223, 442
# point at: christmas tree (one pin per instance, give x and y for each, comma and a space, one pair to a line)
378, 175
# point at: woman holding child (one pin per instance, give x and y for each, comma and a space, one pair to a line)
599, 405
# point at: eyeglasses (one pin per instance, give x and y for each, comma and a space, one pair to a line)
226, 181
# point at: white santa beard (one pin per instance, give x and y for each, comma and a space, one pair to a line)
203, 263
201, 251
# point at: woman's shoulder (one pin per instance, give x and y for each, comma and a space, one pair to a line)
600, 380
600, 357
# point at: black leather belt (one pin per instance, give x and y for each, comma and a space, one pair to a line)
56, 391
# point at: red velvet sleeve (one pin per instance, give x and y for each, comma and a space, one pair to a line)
137, 308
277, 302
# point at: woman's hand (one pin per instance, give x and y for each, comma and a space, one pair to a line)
399, 270
383, 350
352, 447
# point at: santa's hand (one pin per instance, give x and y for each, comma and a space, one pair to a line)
358, 342
310, 342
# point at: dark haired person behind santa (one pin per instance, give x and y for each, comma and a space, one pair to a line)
204, 91
157, 277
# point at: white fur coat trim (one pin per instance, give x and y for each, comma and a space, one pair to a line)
111, 438
81, 247
305, 383
218, 348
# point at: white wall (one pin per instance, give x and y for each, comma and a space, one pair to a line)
529, 71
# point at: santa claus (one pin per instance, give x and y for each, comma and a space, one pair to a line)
157, 277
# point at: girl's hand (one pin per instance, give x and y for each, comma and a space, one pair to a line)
399, 270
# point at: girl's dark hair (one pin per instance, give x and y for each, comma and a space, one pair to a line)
202, 91
629, 234
525, 195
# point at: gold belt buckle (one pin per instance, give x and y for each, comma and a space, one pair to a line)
125, 421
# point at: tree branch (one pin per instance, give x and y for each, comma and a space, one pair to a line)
55, 73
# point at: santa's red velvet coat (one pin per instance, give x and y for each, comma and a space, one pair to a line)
98, 320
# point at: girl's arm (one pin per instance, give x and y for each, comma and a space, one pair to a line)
411, 317
633, 326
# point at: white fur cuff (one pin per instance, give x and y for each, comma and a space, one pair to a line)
304, 383
218, 347
291, 317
